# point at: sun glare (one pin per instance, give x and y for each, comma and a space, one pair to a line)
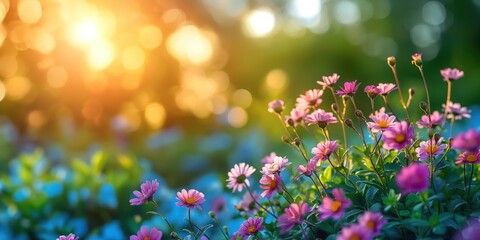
85, 32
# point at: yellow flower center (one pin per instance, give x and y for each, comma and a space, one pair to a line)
371, 224
146, 238
336, 206
382, 124
471, 158
400, 138
272, 185
432, 149
354, 237
251, 229
190, 200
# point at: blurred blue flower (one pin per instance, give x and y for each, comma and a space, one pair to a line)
164, 138
72, 197
21, 194
215, 142
195, 163
85, 193
52, 189
106, 196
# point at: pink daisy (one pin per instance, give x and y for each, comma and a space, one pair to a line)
430, 148
276, 106
372, 221
372, 91
148, 188
269, 158
251, 226
144, 234
238, 176
277, 166
270, 184
311, 98
320, 117
70, 236
424, 121
292, 216
469, 158
386, 88
381, 121
467, 141
329, 81
307, 170
324, 150
190, 199
455, 110
400, 135
248, 203
355, 232
334, 208
349, 88
413, 178
297, 115
450, 74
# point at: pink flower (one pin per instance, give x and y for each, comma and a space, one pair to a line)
386, 88
398, 136
143, 234
238, 176
455, 110
413, 178
248, 203
349, 89
469, 158
297, 115
277, 166
70, 236
320, 117
148, 189
372, 91
430, 148
276, 106
292, 216
436, 118
269, 158
218, 205
324, 150
417, 59
381, 121
355, 232
270, 184
251, 227
329, 81
372, 221
334, 208
467, 141
312, 98
449, 74
190, 199
307, 170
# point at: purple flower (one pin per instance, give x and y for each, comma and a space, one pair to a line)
398, 136
430, 148
372, 221
276, 106
251, 227
324, 150
468, 158
143, 234
455, 110
467, 141
320, 117
70, 236
277, 166
424, 121
147, 190
238, 176
248, 203
355, 232
372, 91
270, 184
381, 121
311, 98
449, 74
190, 199
329, 81
334, 207
386, 88
413, 178
349, 89
292, 216
307, 170
218, 205
470, 231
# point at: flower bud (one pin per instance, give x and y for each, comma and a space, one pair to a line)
212, 214
174, 235
417, 59
449, 142
391, 61
334, 107
359, 114
286, 139
411, 92
225, 229
349, 122
436, 136
423, 105
290, 122
276, 106
297, 141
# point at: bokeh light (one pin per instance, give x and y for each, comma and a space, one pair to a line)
259, 22
29, 11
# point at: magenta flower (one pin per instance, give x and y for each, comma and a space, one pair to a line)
70, 236
449, 74
349, 88
455, 110
355, 232
276, 106
469, 158
190, 199
269, 158
467, 141
311, 98
251, 226
324, 150
430, 148
292, 216
218, 205
424, 121
270, 184
329, 81
248, 203
413, 178
238, 176
372, 91
320, 117
398, 136
144, 234
372, 221
381, 121
148, 189
307, 170
386, 88
334, 208
277, 166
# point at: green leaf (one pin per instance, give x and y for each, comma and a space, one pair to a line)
327, 174
440, 229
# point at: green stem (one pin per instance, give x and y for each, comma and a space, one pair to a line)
399, 90
449, 90
163, 216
